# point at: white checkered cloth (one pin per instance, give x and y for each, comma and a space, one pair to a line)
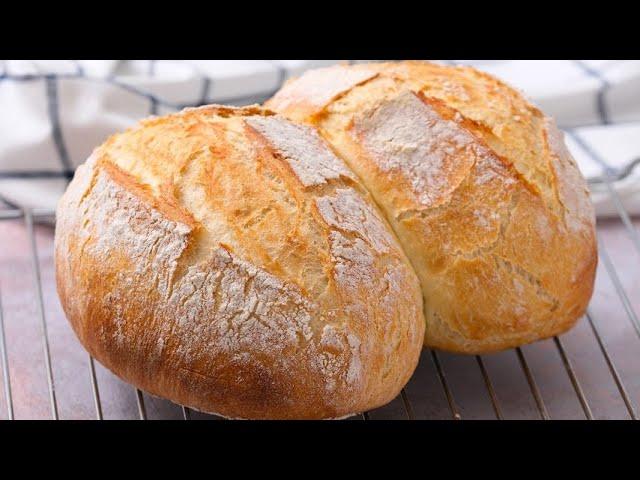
53, 113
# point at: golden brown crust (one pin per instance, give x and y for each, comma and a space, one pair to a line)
308, 95
487, 202
199, 257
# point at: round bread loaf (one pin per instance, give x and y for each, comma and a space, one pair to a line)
477, 184
226, 259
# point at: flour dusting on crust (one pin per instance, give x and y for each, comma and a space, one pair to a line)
302, 148
154, 243
347, 211
406, 136
247, 306
434, 155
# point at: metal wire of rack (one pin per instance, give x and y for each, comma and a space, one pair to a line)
412, 402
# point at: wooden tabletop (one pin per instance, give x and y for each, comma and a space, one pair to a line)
566, 379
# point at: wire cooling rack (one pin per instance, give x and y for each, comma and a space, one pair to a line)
591, 372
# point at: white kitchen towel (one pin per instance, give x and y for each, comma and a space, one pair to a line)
53, 113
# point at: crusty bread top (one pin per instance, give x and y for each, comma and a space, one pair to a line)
231, 246
197, 168
501, 117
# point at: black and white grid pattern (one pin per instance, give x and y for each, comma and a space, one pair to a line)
53, 113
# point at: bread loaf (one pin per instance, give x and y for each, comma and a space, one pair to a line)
227, 259
251, 266
479, 187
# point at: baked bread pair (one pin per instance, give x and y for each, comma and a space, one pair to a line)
261, 265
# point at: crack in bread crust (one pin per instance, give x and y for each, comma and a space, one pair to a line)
302, 149
315, 89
